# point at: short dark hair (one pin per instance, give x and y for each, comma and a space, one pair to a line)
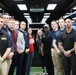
61, 18
12, 19
53, 21
5, 13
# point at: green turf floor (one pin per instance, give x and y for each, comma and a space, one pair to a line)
34, 71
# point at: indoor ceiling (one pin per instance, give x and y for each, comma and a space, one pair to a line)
37, 8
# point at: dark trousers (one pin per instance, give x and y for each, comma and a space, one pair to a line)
42, 61
69, 64
13, 64
19, 64
24, 63
48, 62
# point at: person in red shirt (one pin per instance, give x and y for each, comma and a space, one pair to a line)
31, 52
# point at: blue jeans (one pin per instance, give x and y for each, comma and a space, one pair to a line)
29, 62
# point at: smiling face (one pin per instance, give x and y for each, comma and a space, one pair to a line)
54, 25
29, 31
68, 23
39, 32
46, 29
61, 23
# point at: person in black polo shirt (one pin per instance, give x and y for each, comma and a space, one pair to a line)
45, 45
66, 45
5, 49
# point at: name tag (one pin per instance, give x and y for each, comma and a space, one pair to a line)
3, 38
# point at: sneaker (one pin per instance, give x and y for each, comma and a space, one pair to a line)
43, 71
44, 74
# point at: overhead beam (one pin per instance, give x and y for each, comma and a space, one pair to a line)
71, 6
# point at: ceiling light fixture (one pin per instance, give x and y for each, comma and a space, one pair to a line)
18, 0
29, 20
47, 13
51, 6
22, 6
46, 16
74, 18
73, 21
43, 20
36, 9
26, 13
65, 16
74, 8
0, 8
67, 13
27, 16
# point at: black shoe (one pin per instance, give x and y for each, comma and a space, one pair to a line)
43, 71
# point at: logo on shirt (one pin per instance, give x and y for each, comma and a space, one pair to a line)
43, 36
3, 38
31, 41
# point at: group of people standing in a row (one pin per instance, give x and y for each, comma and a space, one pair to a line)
16, 47
57, 48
